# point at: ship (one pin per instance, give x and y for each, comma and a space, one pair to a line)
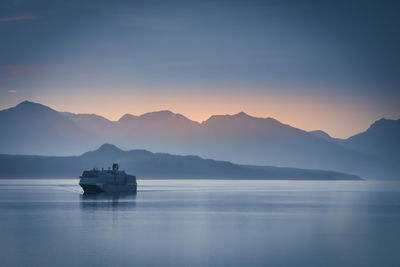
109, 181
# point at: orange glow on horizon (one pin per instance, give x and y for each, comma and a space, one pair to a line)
339, 120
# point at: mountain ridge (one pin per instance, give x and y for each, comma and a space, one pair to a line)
27, 103
148, 165
238, 138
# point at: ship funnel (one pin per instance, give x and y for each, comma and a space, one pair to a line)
115, 167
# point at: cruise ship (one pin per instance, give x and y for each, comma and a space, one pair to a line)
111, 181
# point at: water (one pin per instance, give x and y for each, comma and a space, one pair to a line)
201, 223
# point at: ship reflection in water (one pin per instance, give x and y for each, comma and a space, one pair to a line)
121, 200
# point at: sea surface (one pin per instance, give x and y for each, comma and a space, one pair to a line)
201, 223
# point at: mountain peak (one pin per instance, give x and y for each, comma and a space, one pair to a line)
159, 114
385, 125
384, 121
32, 108
240, 117
242, 114
167, 116
320, 133
127, 117
26, 102
108, 148
29, 105
105, 151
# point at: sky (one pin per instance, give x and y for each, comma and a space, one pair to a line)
329, 65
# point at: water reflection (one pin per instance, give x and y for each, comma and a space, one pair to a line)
202, 223
108, 201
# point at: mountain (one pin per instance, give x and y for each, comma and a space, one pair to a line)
35, 128
382, 139
245, 139
152, 165
157, 131
165, 120
97, 127
323, 135
91, 122
32, 128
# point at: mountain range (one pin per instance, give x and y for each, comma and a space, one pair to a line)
146, 165
35, 129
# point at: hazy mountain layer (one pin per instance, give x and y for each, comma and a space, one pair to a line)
151, 165
31, 128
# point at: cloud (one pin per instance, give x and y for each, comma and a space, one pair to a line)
12, 91
17, 18
8, 73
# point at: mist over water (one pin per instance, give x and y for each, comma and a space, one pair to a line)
201, 223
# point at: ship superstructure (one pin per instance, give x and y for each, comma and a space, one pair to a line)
111, 180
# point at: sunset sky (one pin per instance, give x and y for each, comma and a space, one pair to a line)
329, 65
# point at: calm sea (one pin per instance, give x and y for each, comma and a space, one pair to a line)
201, 223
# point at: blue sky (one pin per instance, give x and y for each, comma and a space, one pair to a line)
338, 60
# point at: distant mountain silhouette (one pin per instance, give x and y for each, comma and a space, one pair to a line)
31, 128
152, 165
382, 139
36, 129
325, 136
158, 131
